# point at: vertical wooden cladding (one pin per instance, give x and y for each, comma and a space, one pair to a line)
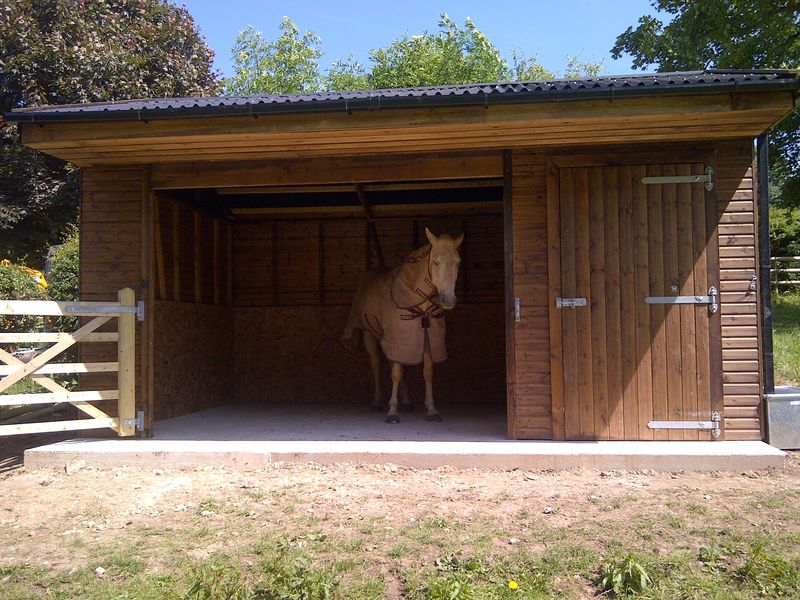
739, 305
190, 249
110, 251
532, 402
625, 362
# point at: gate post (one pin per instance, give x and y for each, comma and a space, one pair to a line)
126, 356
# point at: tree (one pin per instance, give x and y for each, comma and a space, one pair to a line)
728, 34
287, 65
71, 51
454, 55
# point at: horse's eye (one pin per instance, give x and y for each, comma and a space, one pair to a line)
436, 262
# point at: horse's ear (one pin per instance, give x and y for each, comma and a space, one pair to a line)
458, 240
431, 238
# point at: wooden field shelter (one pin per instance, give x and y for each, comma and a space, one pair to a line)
610, 287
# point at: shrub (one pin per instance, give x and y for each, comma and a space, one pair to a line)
64, 276
16, 284
624, 575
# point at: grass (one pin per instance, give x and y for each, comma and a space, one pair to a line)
786, 338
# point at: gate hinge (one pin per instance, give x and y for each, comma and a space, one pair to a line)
707, 179
713, 425
140, 310
138, 422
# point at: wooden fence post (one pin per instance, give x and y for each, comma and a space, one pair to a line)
126, 356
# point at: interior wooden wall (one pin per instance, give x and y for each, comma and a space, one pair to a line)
194, 357
293, 284
110, 259
192, 254
739, 305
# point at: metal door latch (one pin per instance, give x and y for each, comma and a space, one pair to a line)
517, 310
712, 299
570, 302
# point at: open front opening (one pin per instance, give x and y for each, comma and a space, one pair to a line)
254, 286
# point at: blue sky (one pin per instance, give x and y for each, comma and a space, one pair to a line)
550, 30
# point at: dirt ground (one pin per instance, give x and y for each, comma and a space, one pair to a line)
60, 520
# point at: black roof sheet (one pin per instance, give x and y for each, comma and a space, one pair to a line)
709, 81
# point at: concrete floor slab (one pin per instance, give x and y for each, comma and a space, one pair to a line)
241, 436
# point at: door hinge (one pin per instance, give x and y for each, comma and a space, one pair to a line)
713, 425
712, 299
138, 422
517, 310
706, 179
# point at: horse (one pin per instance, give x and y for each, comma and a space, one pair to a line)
400, 312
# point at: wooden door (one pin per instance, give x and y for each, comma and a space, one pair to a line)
625, 362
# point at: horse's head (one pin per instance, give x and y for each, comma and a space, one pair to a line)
443, 266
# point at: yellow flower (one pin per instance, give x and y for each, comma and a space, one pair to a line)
512, 585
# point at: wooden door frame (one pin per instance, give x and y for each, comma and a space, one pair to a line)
705, 153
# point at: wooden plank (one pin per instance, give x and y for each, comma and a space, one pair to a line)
554, 271
348, 170
54, 368
176, 252
597, 304
53, 426
569, 289
658, 350
583, 270
24, 369
672, 312
701, 284
715, 321
126, 357
628, 305
198, 256
641, 283
159, 252
50, 308
31, 338
56, 397
216, 265
686, 264
229, 262
613, 334
512, 419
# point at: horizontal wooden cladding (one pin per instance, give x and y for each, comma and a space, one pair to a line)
405, 167
310, 263
739, 305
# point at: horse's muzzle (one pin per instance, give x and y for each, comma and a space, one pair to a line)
447, 302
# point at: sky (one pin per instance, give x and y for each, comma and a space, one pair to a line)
551, 30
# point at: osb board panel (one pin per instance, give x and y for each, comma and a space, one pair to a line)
110, 257
293, 354
193, 358
313, 263
533, 404
739, 306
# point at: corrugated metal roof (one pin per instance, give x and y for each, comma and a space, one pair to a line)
710, 81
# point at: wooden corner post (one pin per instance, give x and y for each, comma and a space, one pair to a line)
126, 355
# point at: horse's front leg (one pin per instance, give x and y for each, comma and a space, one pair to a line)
427, 370
397, 377
373, 351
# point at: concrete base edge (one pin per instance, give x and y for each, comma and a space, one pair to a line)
663, 457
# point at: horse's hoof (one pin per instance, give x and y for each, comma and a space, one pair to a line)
392, 419
407, 407
434, 418
378, 408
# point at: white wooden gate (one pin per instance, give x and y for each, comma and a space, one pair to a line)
12, 369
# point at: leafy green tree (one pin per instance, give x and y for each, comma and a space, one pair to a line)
347, 74
71, 51
63, 274
454, 55
727, 34
287, 65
